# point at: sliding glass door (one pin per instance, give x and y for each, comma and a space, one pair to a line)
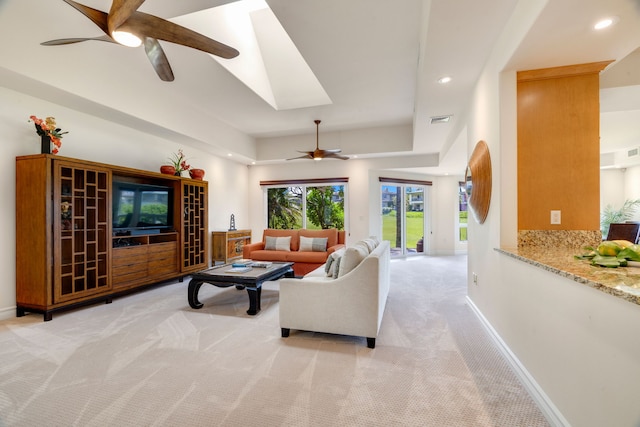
403, 220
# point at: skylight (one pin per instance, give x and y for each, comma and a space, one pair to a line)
269, 63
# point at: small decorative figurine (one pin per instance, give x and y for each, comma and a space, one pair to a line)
65, 213
232, 223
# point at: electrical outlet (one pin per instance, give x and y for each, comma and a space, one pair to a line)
475, 279
556, 217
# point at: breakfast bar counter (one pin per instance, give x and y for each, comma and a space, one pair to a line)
576, 347
621, 282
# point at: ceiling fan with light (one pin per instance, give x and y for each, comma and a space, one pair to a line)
319, 154
125, 25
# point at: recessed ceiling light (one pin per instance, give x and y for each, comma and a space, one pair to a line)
444, 80
229, 154
605, 23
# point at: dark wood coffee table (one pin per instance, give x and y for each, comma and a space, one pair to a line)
251, 281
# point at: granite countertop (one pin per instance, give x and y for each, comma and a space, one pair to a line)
621, 282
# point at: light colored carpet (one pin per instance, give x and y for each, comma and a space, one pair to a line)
148, 359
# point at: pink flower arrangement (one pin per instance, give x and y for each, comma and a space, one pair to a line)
180, 162
48, 127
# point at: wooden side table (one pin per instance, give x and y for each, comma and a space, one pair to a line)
227, 245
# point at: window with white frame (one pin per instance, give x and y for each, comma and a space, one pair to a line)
313, 204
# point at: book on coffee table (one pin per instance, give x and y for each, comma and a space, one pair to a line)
242, 263
261, 264
239, 269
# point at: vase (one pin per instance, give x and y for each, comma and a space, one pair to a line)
196, 174
167, 170
45, 144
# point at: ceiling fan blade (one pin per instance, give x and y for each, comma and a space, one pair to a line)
158, 59
59, 42
147, 25
308, 156
97, 16
335, 156
319, 154
120, 11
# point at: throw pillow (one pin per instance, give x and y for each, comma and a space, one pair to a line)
330, 233
336, 267
277, 243
351, 258
327, 265
333, 262
313, 244
371, 244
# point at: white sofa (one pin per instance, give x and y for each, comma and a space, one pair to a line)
350, 304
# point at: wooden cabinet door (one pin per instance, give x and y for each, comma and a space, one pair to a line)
227, 245
194, 225
81, 231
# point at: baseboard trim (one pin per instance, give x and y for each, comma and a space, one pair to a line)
7, 313
442, 252
549, 410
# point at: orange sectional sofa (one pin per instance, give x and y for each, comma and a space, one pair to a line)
305, 248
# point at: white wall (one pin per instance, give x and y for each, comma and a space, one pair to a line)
445, 206
632, 182
632, 186
359, 141
363, 203
619, 185
578, 343
612, 188
95, 139
572, 342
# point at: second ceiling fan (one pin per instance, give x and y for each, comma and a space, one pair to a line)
319, 154
125, 25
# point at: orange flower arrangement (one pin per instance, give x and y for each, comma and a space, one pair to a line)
48, 127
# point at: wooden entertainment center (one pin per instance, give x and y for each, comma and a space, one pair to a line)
67, 250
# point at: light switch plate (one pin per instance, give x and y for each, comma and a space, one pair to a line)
556, 217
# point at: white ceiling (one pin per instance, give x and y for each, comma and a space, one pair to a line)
377, 60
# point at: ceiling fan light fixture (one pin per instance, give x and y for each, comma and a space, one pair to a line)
319, 154
126, 38
126, 26
605, 23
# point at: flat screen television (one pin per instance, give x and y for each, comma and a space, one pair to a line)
138, 207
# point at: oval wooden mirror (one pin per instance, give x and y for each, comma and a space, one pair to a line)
478, 181
468, 183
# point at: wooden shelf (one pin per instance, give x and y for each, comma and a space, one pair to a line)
194, 236
66, 254
80, 231
139, 260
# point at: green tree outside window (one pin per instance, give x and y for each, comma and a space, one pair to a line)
321, 208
